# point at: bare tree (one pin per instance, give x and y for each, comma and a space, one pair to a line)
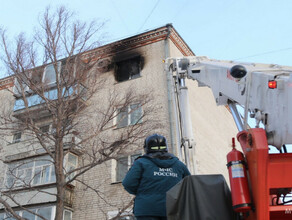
57, 81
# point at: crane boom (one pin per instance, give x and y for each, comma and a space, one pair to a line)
265, 91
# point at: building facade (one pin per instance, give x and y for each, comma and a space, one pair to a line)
134, 63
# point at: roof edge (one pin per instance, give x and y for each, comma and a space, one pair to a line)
132, 42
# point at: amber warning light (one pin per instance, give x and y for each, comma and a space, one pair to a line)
272, 84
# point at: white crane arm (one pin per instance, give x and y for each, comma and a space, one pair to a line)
264, 90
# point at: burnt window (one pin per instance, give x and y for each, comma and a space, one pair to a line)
128, 69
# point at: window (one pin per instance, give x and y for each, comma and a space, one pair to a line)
126, 215
71, 163
19, 85
122, 168
16, 137
123, 164
36, 76
45, 128
128, 69
129, 115
30, 172
126, 218
28, 215
34, 100
49, 76
52, 94
67, 215
47, 212
26, 81
43, 172
48, 128
6, 216
38, 171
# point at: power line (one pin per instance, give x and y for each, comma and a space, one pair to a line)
122, 19
149, 15
264, 53
180, 10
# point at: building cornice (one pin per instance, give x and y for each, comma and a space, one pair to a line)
180, 43
141, 40
6, 82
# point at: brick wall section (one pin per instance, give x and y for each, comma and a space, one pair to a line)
6, 83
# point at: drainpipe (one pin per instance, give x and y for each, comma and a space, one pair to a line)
172, 105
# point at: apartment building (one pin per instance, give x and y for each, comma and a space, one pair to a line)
133, 64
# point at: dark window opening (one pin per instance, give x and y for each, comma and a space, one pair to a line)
128, 69
16, 137
45, 128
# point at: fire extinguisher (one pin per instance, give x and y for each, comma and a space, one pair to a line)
236, 165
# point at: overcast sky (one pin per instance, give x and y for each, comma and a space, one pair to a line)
245, 30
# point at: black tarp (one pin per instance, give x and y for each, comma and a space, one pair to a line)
200, 197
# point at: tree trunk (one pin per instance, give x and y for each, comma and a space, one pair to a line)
60, 177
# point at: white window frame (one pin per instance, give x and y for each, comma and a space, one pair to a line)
57, 75
130, 113
70, 166
16, 88
68, 211
19, 179
53, 212
43, 176
126, 215
42, 173
131, 159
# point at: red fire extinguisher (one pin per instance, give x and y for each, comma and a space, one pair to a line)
241, 201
